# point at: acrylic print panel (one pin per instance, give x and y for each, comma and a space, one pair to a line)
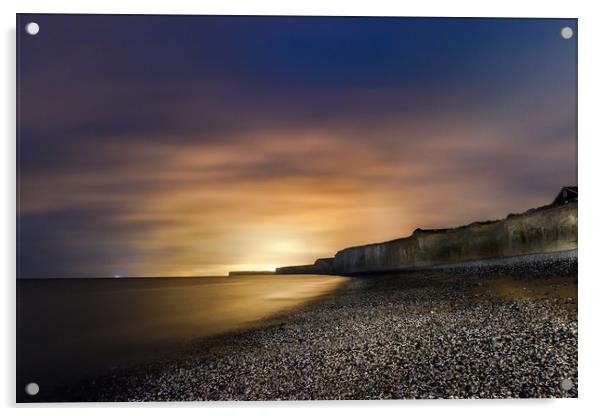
295, 208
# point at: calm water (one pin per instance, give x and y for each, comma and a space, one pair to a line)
69, 329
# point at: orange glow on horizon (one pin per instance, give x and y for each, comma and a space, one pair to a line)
260, 201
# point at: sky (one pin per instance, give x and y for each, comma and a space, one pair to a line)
197, 145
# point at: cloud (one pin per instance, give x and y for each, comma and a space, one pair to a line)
278, 143
206, 208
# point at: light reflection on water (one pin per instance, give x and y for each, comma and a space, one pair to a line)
70, 329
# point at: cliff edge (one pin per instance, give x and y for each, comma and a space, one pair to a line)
541, 230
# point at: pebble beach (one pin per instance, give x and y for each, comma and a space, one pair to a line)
487, 331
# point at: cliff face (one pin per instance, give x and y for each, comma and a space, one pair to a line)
321, 266
541, 230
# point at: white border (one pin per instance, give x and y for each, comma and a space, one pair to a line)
590, 135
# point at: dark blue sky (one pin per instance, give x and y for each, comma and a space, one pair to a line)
198, 144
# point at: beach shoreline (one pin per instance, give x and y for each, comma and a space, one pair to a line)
443, 333
148, 319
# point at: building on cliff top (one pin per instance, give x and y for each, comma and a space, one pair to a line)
566, 195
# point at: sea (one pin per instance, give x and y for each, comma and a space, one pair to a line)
69, 330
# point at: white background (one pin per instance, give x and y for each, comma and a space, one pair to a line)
590, 135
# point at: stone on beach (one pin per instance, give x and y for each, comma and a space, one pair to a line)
437, 334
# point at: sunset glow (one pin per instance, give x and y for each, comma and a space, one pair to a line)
211, 152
